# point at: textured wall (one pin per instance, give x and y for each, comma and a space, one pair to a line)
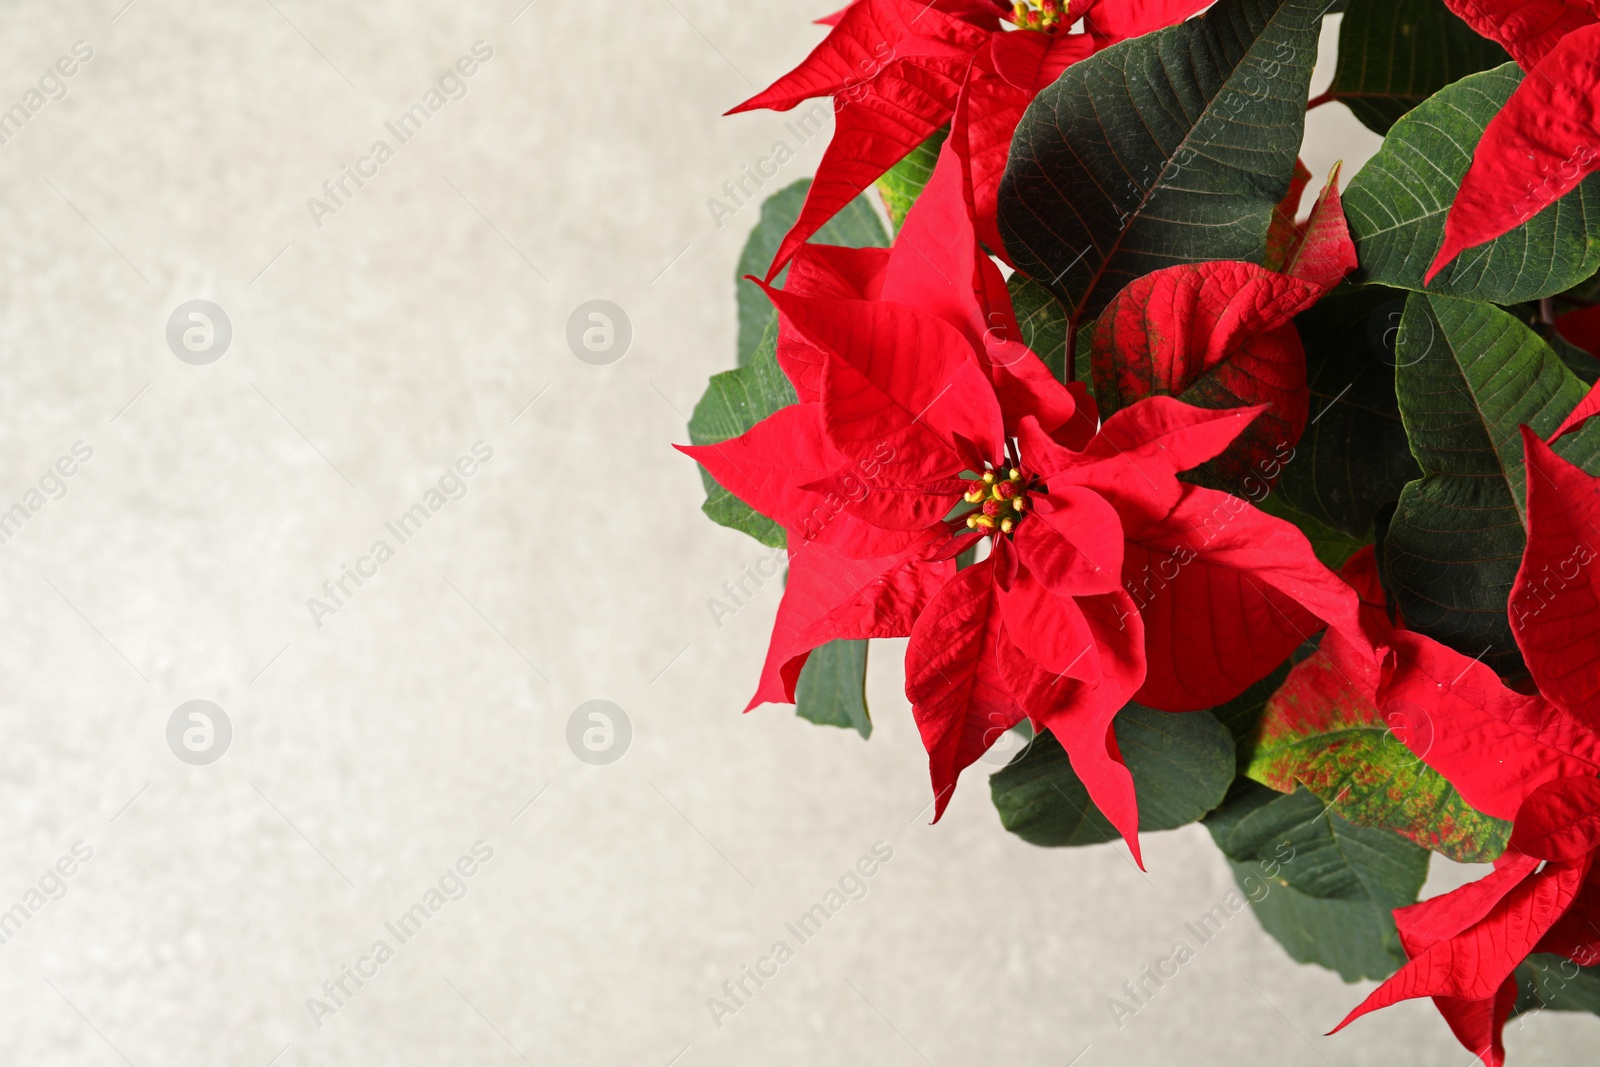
375, 341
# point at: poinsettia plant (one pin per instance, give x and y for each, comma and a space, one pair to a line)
1282, 517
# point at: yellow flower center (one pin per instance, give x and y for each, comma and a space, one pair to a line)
1002, 502
1044, 15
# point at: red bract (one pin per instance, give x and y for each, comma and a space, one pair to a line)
898, 70
1227, 592
1282, 233
937, 266
1555, 603
1543, 142
1543, 896
918, 400
846, 580
1528, 29
1216, 334
1321, 252
1534, 756
1492, 743
1222, 334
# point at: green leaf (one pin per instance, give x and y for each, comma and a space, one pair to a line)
1173, 147
1394, 54
1181, 766
1319, 853
1354, 938
1043, 321
1352, 458
1469, 375
1322, 886
1396, 207
856, 225
903, 183
1321, 732
734, 401
1546, 981
832, 688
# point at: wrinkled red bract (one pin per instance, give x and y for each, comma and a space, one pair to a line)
1282, 232
1560, 821
1533, 757
1231, 592
913, 383
898, 70
1541, 897
1322, 252
1555, 602
1528, 29
1216, 334
1221, 334
1534, 151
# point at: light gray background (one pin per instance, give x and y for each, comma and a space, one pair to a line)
370, 753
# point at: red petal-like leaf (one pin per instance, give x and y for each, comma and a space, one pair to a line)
1478, 1024
1080, 714
895, 375
937, 267
1049, 629
1135, 458
1442, 917
1577, 935
1227, 592
953, 678
1216, 335
1475, 963
1534, 151
867, 35
824, 271
1555, 603
1323, 252
1559, 821
1072, 542
998, 91
874, 129
838, 272
1528, 29
1494, 745
1282, 232
829, 596
770, 467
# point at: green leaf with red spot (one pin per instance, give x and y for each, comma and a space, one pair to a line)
1323, 732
